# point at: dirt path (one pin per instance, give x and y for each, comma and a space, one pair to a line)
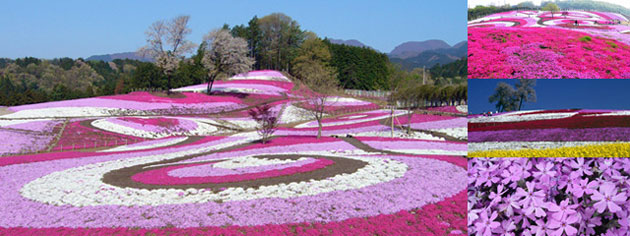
4, 111
58, 136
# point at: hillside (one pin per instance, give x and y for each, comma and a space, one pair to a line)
413, 48
431, 58
123, 55
349, 42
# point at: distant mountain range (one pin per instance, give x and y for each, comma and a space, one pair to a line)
427, 54
350, 42
123, 55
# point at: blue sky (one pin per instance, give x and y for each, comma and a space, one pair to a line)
557, 94
49, 29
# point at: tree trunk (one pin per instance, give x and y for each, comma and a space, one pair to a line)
392, 121
210, 83
168, 84
409, 121
319, 130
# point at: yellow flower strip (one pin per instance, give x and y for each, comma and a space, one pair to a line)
600, 150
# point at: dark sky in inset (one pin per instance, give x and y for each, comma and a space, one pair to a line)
557, 94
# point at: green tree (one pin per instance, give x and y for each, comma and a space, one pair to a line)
525, 91
281, 36
504, 96
552, 7
312, 50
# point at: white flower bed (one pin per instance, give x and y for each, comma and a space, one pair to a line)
458, 132
248, 161
147, 144
398, 134
487, 146
347, 122
612, 113
462, 108
104, 124
54, 112
515, 117
294, 114
4, 123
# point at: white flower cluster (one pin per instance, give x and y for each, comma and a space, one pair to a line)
248, 161
104, 124
517, 145
147, 145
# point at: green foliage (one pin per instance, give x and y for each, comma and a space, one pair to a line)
552, 7
592, 5
423, 95
359, 68
26, 61
148, 75
457, 68
586, 39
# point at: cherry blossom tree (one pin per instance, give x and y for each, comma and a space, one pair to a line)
225, 55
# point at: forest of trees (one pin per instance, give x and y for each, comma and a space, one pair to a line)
275, 42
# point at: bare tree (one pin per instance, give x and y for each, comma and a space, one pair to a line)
322, 83
225, 55
167, 44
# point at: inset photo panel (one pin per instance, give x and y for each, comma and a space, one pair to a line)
549, 118
544, 39
548, 196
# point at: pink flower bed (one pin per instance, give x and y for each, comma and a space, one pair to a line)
441, 124
451, 109
335, 130
188, 99
158, 125
419, 119
15, 142
31, 158
142, 101
405, 144
369, 200
261, 75
44, 126
442, 218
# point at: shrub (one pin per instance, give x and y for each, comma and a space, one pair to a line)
267, 120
